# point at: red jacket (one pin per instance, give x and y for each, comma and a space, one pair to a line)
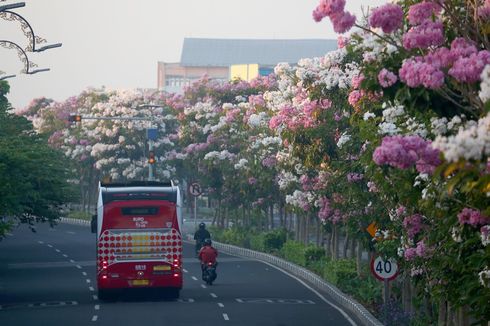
208, 254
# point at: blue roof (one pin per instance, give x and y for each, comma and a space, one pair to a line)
226, 52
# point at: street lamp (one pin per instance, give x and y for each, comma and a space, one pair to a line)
12, 6
8, 15
151, 135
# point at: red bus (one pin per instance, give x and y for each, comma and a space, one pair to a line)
139, 241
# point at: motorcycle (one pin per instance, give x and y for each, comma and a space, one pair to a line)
199, 245
209, 273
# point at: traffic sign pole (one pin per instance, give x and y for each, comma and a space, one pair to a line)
195, 190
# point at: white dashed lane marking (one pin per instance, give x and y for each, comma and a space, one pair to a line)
213, 295
40, 242
88, 280
50, 246
221, 305
91, 288
203, 286
65, 255
194, 278
94, 318
57, 250
97, 307
84, 273
225, 317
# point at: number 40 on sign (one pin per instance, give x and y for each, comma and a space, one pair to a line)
384, 269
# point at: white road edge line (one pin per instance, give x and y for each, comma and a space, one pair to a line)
225, 316
94, 318
353, 323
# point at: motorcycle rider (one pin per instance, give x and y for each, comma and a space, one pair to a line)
201, 235
208, 254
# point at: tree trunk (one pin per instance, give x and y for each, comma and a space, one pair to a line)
359, 258
306, 238
441, 320
297, 228
271, 212
346, 242
318, 231
326, 243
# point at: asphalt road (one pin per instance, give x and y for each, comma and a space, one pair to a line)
48, 278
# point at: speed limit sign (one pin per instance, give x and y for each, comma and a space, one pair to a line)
384, 269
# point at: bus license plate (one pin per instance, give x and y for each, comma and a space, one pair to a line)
140, 282
161, 268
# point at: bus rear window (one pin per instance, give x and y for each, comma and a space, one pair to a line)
139, 211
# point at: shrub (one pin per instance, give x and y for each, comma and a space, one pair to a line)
294, 252
80, 215
274, 240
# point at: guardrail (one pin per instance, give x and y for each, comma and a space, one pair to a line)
338, 296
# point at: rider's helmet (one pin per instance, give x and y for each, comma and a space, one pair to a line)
207, 242
202, 225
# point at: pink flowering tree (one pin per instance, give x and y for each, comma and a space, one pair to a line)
422, 107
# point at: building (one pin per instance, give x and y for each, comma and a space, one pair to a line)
225, 59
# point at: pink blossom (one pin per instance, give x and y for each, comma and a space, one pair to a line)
404, 152
440, 58
421, 249
386, 78
389, 17
325, 209
372, 187
342, 22
354, 98
422, 11
413, 225
252, 181
462, 47
327, 8
410, 253
472, 217
354, 177
342, 41
468, 70
415, 72
269, 161
357, 80
425, 35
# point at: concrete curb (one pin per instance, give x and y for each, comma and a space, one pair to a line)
338, 296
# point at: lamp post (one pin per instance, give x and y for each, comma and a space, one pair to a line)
8, 15
151, 134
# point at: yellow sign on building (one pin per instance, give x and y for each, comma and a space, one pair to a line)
245, 72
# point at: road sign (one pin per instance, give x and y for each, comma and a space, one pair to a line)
195, 189
384, 269
372, 228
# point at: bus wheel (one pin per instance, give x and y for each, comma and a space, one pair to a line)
105, 295
173, 293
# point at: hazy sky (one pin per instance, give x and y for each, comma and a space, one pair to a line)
117, 43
